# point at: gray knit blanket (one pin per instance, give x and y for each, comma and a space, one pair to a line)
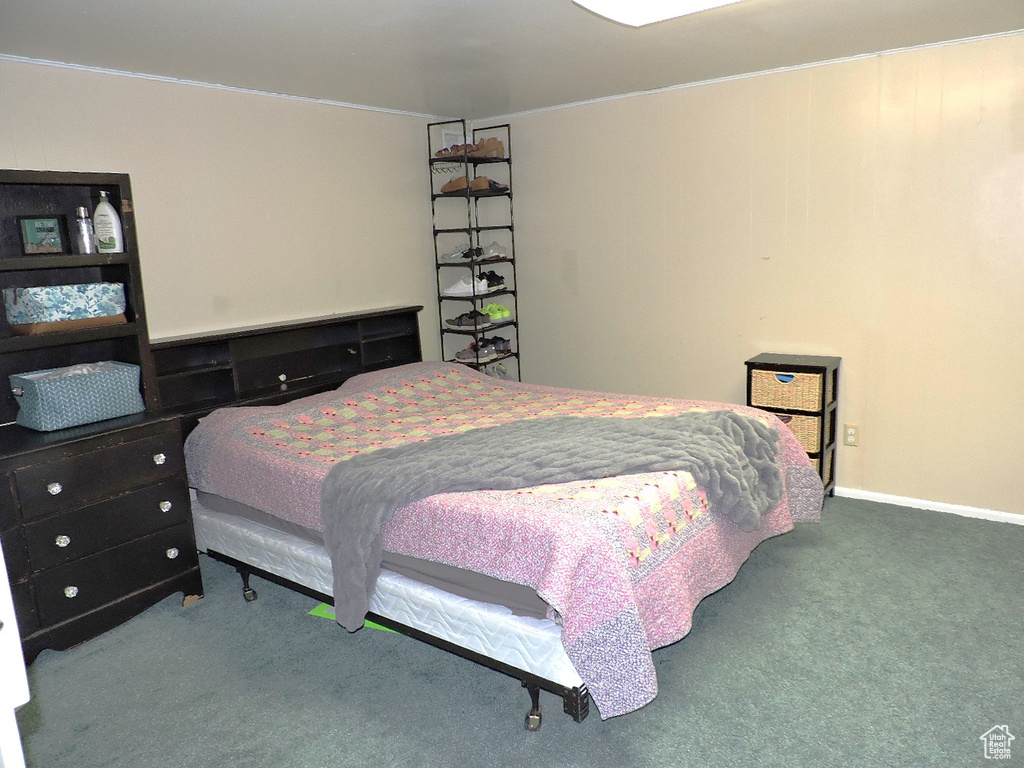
732, 457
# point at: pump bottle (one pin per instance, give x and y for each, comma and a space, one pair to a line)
107, 226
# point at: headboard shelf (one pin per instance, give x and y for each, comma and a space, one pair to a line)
276, 362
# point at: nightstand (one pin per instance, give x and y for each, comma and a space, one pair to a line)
803, 391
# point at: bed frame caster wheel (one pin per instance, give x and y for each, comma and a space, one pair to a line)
533, 716
247, 592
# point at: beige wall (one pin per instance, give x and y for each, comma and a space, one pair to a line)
250, 208
872, 209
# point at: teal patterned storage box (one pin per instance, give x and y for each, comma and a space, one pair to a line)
55, 303
58, 398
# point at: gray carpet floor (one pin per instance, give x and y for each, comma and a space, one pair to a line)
882, 636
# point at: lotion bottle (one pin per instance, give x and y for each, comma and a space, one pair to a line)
107, 226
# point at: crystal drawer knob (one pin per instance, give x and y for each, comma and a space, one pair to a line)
172, 553
165, 506
159, 458
54, 488
62, 541
70, 591
282, 377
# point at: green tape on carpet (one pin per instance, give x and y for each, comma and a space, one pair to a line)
326, 611
323, 611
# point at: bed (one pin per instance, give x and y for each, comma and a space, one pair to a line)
556, 535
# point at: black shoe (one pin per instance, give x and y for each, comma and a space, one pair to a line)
494, 280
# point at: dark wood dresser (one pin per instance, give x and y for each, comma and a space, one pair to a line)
95, 527
95, 520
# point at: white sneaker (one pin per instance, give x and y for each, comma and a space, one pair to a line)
467, 286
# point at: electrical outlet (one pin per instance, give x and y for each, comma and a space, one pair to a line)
851, 434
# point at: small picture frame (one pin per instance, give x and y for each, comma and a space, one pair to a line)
42, 235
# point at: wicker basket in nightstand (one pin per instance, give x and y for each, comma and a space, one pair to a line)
803, 391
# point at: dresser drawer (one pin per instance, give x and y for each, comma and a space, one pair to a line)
779, 389
807, 429
73, 589
68, 483
80, 532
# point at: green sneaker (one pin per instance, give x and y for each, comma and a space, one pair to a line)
498, 312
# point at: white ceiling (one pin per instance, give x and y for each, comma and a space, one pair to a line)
470, 58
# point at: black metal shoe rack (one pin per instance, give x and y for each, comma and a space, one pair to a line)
477, 216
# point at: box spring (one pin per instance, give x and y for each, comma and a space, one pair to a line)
525, 643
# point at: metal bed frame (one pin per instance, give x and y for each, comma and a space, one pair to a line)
575, 701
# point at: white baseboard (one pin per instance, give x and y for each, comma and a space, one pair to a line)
934, 506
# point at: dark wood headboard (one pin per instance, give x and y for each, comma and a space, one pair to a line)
274, 363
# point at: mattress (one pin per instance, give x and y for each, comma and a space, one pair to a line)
526, 643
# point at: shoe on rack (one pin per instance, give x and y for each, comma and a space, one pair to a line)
466, 256
458, 184
501, 345
467, 286
484, 184
478, 352
498, 371
454, 257
489, 147
497, 312
474, 319
495, 251
494, 280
